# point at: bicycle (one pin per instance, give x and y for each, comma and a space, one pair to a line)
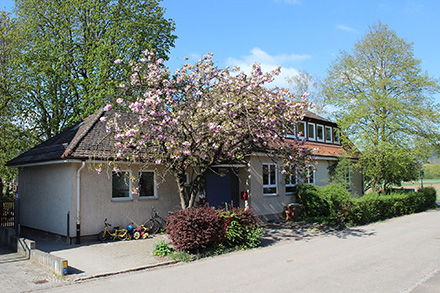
117, 233
155, 224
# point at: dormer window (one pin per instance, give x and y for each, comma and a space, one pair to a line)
311, 131
301, 129
319, 132
328, 134
336, 135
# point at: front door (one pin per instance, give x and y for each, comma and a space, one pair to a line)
221, 188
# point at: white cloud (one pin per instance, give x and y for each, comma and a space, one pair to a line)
268, 63
346, 28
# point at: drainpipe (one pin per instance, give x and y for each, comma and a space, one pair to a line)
78, 196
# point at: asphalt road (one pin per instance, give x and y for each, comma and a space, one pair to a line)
398, 255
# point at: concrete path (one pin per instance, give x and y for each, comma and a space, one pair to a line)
398, 255
18, 274
95, 259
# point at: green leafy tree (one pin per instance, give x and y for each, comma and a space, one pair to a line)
385, 104
13, 138
71, 48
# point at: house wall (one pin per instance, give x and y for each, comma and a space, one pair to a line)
97, 203
268, 207
45, 193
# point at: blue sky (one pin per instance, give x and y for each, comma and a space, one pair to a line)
301, 35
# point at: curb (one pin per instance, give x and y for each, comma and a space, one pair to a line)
147, 267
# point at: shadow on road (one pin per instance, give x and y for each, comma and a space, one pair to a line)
280, 231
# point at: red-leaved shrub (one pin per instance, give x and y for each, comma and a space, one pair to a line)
195, 229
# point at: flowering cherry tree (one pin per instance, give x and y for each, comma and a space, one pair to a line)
201, 116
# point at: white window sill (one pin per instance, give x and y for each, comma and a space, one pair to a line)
147, 197
270, 194
122, 199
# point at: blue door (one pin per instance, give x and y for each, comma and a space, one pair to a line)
221, 189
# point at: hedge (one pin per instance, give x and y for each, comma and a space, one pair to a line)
332, 204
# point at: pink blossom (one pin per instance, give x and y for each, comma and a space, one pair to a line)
108, 107
119, 100
118, 61
103, 119
99, 170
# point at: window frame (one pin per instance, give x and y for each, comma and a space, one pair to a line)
313, 125
347, 175
288, 183
154, 196
317, 132
270, 185
336, 136
311, 177
304, 133
331, 134
130, 194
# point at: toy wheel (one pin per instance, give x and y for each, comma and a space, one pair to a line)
145, 235
102, 236
136, 235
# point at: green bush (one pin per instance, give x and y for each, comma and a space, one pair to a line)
332, 205
313, 203
241, 228
336, 194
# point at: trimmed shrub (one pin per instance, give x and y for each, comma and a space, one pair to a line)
336, 194
195, 229
315, 205
240, 228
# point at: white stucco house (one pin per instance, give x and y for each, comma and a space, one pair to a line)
62, 195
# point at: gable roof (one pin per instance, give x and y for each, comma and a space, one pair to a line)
82, 141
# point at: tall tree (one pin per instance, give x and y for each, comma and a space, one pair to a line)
70, 49
302, 83
13, 137
385, 104
201, 116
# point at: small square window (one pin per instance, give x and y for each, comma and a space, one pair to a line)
147, 187
121, 185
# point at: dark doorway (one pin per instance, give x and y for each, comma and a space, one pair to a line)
222, 187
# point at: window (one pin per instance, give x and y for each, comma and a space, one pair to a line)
290, 132
311, 131
320, 132
336, 135
347, 178
147, 186
301, 129
121, 185
290, 183
310, 178
328, 134
269, 179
